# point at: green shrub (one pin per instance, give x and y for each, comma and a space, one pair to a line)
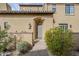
11, 44
59, 42
5, 40
23, 46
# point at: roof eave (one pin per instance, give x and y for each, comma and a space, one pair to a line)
25, 12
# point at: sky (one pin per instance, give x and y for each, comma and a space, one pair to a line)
14, 6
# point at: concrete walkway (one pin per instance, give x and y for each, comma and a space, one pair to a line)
39, 49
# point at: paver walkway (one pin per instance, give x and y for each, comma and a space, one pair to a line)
39, 49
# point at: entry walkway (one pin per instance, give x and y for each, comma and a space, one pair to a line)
39, 49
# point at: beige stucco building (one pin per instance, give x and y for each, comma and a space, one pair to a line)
33, 20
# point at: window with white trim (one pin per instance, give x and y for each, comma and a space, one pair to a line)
63, 26
54, 8
69, 9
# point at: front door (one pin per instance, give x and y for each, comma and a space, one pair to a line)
39, 31
38, 23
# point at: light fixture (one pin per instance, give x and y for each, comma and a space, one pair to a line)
70, 26
30, 26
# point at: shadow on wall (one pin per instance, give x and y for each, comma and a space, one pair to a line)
42, 52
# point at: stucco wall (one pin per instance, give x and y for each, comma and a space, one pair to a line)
61, 17
19, 23
3, 7
31, 8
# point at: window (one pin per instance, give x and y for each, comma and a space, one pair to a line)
54, 8
69, 9
63, 26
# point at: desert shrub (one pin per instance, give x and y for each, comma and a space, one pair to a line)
11, 44
5, 40
23, 46
59, 42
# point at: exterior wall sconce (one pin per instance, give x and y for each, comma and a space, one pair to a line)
30, 26
70, 26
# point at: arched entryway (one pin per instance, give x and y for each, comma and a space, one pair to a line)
38, 27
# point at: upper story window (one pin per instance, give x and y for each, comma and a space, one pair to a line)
54, 8
69, 9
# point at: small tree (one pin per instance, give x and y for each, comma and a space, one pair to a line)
3, 40
59, 42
